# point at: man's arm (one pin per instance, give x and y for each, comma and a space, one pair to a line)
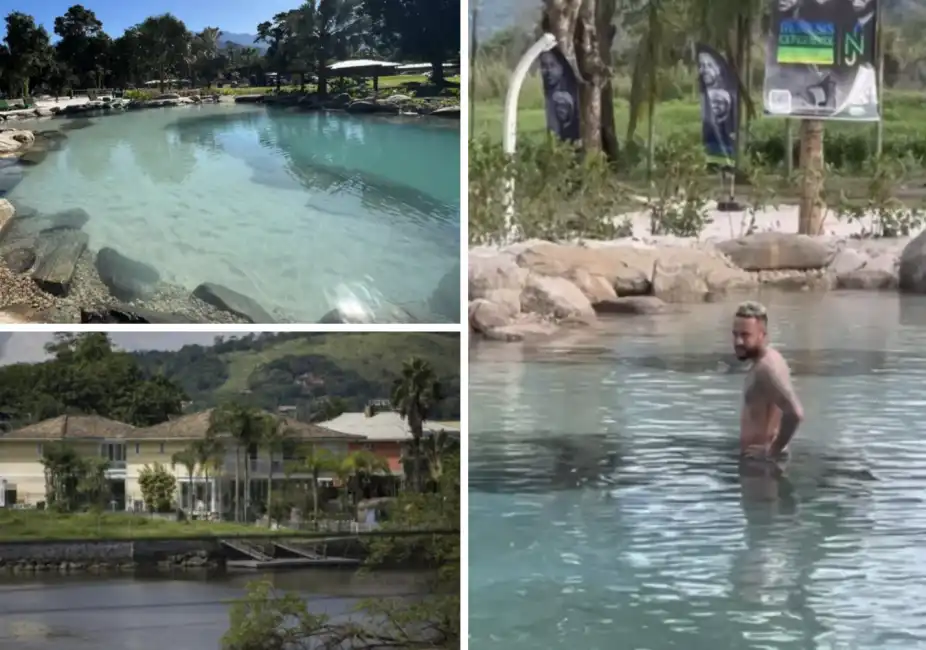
776, 377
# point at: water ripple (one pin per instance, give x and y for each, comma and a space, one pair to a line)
607, 501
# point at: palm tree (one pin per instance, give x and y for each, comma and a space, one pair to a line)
245, 425
187, 458
414, 394
273, 437
315, 461
210, 457
360, 467
434, 449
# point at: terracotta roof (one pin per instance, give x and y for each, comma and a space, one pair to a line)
187, 427
73, 427
195, 426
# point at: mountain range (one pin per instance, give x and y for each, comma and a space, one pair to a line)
244, 40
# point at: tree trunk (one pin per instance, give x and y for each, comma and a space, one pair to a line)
606, 33
237, 483
315, 498
270, 492
812, 208
588, 56
437, 73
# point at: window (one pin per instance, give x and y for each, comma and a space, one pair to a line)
137, 448
114, 452
161, 448
40, 449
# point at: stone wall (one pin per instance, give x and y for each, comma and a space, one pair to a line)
109, 552
79, 555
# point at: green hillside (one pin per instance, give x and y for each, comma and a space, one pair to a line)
270, 370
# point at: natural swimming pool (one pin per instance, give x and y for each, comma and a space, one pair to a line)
608, 509
294, 210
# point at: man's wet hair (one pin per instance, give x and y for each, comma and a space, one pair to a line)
753, 309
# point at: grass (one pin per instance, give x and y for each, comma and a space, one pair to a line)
371, 355
44, 525
903, 112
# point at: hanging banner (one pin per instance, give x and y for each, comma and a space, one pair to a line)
719, 97
561, 95
820, 62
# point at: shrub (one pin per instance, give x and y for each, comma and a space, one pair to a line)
157, 486
558, 193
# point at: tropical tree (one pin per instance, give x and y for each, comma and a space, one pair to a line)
414, 394
163, 40
83, 46
210, 458
274, 33
26, 52
421, 30
245, 426
315, 461
273, 438
187, 458
359, 467
435, 448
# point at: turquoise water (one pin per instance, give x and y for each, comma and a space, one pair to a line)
291, 209
608, 508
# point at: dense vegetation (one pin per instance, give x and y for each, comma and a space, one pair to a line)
306, 370
650, 131
270, 620
303, 42
86, 375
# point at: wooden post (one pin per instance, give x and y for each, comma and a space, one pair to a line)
812, 207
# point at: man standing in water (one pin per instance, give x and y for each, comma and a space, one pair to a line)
771, 409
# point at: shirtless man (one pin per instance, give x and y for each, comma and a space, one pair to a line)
771, 409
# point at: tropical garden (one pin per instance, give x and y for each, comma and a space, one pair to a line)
300, 43
640, 119
88, 376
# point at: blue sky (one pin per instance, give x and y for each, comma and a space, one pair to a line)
19, 347
238, 16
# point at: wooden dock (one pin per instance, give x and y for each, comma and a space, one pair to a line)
292, 563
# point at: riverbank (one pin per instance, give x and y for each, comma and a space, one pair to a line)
538, 289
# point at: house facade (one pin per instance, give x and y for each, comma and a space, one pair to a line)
385, 433
129, 450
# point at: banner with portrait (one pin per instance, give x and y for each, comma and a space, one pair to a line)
821, 61
719, 97
561, 95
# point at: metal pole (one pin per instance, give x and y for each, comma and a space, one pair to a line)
510, 136
879, 49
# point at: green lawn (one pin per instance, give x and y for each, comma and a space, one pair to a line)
904, 114
47, 525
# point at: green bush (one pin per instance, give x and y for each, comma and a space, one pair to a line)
558, 193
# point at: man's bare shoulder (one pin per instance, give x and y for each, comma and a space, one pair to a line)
772, 365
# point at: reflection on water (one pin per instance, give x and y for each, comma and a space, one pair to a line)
280, 206
608, 501
186, 613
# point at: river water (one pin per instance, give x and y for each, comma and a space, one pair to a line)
608, 508
187, 612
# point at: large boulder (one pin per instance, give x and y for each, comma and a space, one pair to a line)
630, 269
493, 271
679, 283
6, 215
773, 251
229, 300
555, 297
485, 316
123, 314
912, 271
13, 141
126, 279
